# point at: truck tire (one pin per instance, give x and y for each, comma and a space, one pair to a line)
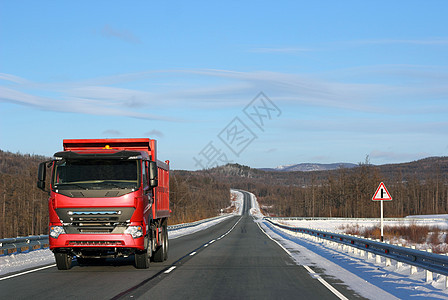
142, 258
63, 260
161, 252
165, 229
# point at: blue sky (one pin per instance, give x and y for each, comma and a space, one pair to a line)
339, 80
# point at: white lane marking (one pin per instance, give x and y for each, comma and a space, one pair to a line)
170, 269
327, 285
26, 272
206, 245
321, 280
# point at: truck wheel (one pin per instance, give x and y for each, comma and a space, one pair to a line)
165, 229
160, 253
142, 258
63, 260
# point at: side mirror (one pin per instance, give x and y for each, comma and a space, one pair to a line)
153, 174
41, 175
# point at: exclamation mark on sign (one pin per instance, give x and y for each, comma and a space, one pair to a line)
382, 191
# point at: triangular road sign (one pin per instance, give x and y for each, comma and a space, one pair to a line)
382, 194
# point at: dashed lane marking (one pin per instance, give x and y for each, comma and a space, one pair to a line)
170, 269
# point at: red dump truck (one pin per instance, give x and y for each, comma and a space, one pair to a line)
108, 198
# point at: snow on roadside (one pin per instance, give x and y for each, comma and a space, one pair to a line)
255, 207
174, 234
238, 202
22, 261
370, 280
338, 225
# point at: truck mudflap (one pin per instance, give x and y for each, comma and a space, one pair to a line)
96, 241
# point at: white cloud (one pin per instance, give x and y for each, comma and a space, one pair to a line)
124, 35
155, 132
223, 88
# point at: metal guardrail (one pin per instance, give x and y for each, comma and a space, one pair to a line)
26, 244
426, 260
23, 244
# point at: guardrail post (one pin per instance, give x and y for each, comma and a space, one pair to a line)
413, 268
429, 276
388, 262
399, 263
446, 277
377, 258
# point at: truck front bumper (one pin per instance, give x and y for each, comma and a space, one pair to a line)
97, 241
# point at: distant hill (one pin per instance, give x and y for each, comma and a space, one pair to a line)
239, 175
308, 167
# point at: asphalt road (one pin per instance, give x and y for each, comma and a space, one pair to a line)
231, 260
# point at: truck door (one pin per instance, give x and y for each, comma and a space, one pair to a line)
147, 192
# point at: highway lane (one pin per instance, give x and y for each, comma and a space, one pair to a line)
245, 264
103, 279
233, 259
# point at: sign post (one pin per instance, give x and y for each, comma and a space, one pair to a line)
382, 194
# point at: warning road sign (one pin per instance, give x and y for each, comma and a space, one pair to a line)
382, 194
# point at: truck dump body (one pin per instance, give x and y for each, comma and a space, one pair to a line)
108, 197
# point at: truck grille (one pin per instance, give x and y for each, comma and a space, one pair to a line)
95, 220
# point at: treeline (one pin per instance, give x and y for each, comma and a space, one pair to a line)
419, 187
24, 208
195, 196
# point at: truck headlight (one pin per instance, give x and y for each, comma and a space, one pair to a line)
134, 231
55, 231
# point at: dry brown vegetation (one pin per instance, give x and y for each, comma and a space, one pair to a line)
412, 233
24, 208
194, 196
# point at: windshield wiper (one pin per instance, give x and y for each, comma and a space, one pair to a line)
112, 184
66, 184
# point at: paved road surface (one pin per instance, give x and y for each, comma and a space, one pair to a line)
232, 260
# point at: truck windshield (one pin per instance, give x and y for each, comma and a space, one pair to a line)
96, 174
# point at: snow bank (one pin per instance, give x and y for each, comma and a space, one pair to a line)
22, 261
255, 207
238, 203
174, 234
337, 225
